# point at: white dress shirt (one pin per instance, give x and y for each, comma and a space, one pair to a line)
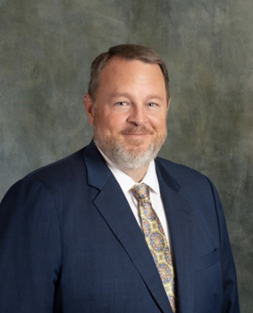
150, 179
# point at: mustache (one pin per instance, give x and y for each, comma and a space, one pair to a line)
136, 129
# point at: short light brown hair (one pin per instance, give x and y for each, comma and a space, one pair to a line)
127, 52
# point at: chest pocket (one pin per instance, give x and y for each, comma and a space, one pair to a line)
207, 260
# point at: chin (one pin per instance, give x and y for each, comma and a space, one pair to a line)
138, 146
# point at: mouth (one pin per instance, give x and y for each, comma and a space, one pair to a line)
136, 132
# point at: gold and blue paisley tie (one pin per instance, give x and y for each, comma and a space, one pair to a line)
156, 241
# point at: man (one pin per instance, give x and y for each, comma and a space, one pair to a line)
112, 228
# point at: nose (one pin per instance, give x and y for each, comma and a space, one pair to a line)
137, 115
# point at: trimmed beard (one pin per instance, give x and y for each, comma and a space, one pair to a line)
127, 159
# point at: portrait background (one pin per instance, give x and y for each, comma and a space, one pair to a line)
46, 48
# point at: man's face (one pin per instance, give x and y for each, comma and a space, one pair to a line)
129, 114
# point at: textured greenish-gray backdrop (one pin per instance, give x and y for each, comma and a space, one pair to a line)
46, 48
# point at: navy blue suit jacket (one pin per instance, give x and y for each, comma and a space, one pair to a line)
70, 243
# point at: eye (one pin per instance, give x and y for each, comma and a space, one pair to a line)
152, 104
122, 104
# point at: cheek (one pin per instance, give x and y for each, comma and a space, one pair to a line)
158, 122
115, 121
109, 123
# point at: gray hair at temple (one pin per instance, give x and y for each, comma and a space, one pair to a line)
127, 52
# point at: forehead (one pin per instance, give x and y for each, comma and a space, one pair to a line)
122, 72
121, 65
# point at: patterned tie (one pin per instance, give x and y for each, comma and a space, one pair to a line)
156, 241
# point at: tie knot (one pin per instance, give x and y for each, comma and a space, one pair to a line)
140, 192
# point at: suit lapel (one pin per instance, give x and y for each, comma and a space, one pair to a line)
180, 219
119, 217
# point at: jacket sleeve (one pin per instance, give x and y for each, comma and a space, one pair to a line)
230, 292
30, 249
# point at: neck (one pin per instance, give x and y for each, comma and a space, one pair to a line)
136, 174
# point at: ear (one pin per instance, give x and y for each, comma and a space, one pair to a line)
168, 104
89, 107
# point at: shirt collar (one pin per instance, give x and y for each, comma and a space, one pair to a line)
126, 182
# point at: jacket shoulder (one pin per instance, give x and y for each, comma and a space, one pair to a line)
182, 174
61, 170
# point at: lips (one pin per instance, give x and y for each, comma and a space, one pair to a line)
136, 131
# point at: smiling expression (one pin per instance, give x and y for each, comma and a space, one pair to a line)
130, 110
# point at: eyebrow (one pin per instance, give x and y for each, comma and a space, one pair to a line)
128, 95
